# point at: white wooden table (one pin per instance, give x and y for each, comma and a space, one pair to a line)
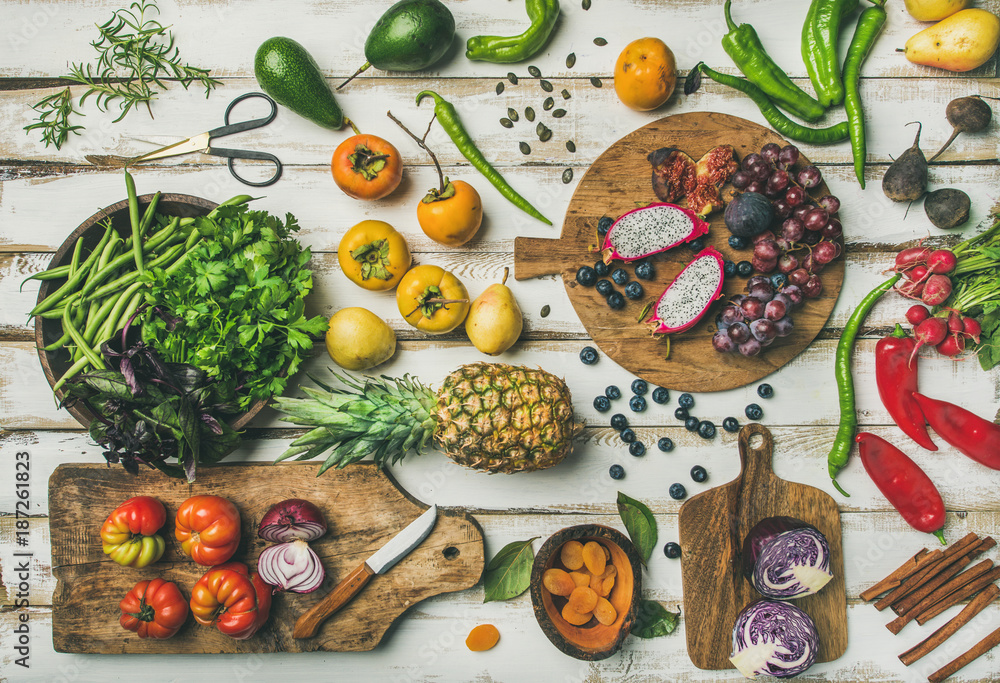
45, 193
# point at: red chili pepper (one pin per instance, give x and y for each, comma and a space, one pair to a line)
977, 438
903, 483
897, 380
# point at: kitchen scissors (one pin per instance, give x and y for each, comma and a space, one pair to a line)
203, 143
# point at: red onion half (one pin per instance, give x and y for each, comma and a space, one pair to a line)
290, 520
291, 567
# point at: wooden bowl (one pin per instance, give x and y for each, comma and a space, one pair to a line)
593, 640
55, 363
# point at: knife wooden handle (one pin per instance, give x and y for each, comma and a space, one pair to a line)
309, 623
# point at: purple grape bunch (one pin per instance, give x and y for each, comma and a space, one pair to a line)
749, 323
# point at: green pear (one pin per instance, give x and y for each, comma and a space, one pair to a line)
494, 322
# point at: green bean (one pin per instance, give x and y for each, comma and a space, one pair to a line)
73, 282
69, 374
133, 306
133, 216
128, 278
110, 326
80, 342
96, 320
175, 266
162, 238
74, 264
64, 339
107, 253
147, 217
50, 274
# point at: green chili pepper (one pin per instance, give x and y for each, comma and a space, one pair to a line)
820, 35
448, 117
869, 26
508, 49
744, 47
133, 216
778, 121
841, 449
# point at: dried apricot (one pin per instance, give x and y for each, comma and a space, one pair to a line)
593, 557
607, 553
583, 599
605, 612
558, 582
602, 586
482, 638
574, 617
571, 555
580, 579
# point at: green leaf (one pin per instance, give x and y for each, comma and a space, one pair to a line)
653, 620
640, 524
509, 572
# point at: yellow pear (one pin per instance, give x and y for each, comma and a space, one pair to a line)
934, 10
960, 42
357, 339
494, 322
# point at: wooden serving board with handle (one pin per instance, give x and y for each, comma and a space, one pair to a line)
363, 508
713, 525
619, 181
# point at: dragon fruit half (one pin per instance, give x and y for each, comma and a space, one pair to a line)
687, 298
650, 230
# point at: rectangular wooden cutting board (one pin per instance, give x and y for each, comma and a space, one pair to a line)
363, 508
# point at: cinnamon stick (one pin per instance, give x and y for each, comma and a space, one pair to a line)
911, 600
977, 651
926, 646
947, 589
903, 572
958, 596
948, 556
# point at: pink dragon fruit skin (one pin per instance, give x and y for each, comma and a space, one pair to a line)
650, 230
700, 282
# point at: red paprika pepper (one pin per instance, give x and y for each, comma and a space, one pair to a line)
897, 381
903, 483
977, 438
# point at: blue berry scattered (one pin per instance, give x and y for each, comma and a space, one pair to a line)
765, 391
619, 421
665, 444
681, 413
604, 225
644, 271
637, 404
613, 392
692, 423
588, 355
602, 404
619, 276
729, 268
731, 424
744, 269
601, 268
697, 244
604, 287
754, 412
677, 491
640, 387
706, 430
737, 242
617, 472
586, 276
634, 290
779, 280
685, 401
637, 448
616, 301
660, 395
672, 550
627, 435
699, 473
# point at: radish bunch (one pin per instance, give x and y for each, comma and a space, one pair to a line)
946, 334
925, 274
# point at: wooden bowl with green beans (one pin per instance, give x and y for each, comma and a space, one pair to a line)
110, 283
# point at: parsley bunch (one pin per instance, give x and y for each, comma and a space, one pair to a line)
235, 308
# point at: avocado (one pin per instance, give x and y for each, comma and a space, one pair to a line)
411, 35
288, 73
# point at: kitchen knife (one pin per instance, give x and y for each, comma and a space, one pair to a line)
382, 561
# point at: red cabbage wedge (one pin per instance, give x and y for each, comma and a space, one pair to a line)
773, 638
785, 558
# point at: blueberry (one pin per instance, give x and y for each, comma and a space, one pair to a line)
604, 225
619, 421
728, 267
706, 430
637, 448
779, 280
613, 392
627, 435
672, 550
637, 404
677, 491
586, 276
744, 269
640, 387
660, 395
588, 355
634, 290
754, 412
692, 423
644, 271
699, 473
681, 413
685, 401
731, 424
696, 245
617, 472
602, 404
665, 444
619, 276
601, 268
737, 242
604, 287
765, 391
616, 301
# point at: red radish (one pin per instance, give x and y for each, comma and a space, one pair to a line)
937, 290
931, 331
941, 261
911, 257
972, 328
916, 273
955, 325
910, 289
953, 345
916, 314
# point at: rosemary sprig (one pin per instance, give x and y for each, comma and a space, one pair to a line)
136, 55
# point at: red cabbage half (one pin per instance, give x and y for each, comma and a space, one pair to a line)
774, 639
785, 558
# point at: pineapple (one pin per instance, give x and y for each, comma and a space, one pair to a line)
488, 416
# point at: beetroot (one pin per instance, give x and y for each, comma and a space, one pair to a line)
937, 290
916, 314
931, 331
941, 261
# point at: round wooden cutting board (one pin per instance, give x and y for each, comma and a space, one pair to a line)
620, 180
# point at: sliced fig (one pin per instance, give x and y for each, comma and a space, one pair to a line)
717, 166
674, 173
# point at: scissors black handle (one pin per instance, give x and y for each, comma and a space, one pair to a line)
229, 129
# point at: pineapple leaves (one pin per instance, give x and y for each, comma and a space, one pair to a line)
640, 524
509, 572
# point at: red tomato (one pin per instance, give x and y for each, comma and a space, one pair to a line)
129, 535
366, 167
231, 599
154, 609
208, 528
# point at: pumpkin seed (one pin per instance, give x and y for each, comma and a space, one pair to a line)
600, 42
545, 311
565, 94
570, 60
546, 86
506, 123
570, 145
546, 135
534, 71
539, 129
512, 77
512, 114
596, 82
548, 103
525, 149
529, 113
567, 176
559, 113
585, 4
499, 88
